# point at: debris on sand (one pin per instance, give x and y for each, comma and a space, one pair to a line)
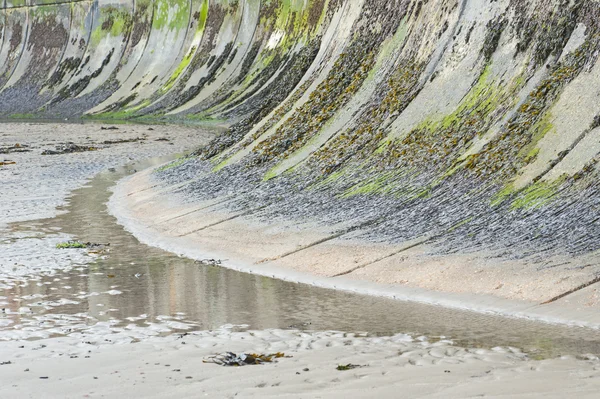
122, 141
246, 359
6, 162
71, 245
68, 149
15, 148
349, 366
109, 128
209, 262
299, 326
81, 245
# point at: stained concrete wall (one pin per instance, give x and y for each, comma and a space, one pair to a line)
477, 120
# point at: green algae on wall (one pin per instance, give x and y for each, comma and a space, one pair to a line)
113, 22
537, 195
187, 59
362, 100
171, 14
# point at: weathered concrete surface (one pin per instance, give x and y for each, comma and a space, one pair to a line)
473, 123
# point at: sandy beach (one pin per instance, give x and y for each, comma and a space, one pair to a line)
393, 367
60, 353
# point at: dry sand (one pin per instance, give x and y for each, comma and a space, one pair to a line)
98, 359
394, 367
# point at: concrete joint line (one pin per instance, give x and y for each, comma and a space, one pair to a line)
421, 241
574, 290
397, 252
324, 240
295, 251
164, 189
143, 190
251, 211
227, 199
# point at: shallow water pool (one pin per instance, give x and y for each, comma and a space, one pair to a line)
134, 285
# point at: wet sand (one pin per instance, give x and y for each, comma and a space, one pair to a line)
38, 186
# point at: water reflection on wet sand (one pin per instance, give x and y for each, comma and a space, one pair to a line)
138, 285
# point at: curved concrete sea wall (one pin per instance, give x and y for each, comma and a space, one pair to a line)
473, 125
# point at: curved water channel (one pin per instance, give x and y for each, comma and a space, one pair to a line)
135, 279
